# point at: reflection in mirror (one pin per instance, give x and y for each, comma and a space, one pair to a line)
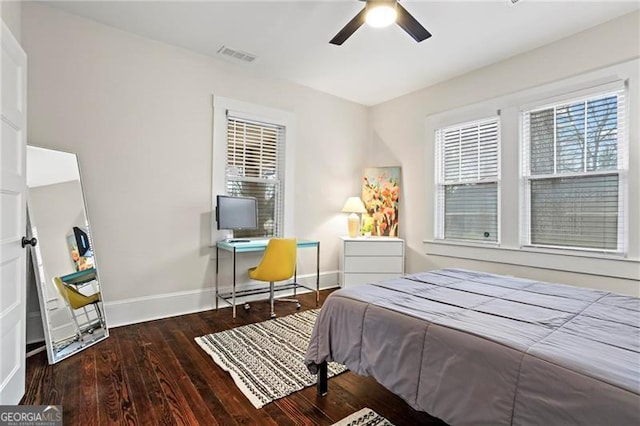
64, 261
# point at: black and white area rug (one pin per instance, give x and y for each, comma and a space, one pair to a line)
266, 359
364, 417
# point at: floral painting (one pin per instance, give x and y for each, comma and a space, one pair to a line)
380, 194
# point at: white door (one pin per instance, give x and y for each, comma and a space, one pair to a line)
13, 266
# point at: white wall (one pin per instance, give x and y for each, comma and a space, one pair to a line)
10, 12
399, 131
139, 115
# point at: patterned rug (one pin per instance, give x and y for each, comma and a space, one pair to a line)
266, 359
364, 417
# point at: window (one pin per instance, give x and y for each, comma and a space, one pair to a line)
574, 156
254, 168
467, 178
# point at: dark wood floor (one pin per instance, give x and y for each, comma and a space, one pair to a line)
154, 373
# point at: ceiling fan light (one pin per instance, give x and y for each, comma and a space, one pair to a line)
381, 15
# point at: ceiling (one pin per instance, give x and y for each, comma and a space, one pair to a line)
290, 39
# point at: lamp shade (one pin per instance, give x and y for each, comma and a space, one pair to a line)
354, 205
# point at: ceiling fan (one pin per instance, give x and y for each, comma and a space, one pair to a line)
380, 13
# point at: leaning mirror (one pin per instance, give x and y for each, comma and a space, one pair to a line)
63, 258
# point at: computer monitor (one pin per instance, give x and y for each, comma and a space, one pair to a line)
236, 213
80, 249
82, 241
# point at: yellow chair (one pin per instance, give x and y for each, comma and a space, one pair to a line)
278, 264
76, 300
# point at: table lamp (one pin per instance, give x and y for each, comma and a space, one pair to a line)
353, 205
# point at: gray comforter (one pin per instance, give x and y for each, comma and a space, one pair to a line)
482, 349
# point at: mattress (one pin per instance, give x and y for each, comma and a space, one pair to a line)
478, 348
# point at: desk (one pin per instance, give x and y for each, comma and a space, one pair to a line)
80, 277
254, 246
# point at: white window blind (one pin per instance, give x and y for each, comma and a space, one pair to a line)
468, 171
574, 161
254, 168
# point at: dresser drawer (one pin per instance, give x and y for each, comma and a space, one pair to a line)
374, 247
370, 264
358, 279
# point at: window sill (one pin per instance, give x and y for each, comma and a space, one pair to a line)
601, 264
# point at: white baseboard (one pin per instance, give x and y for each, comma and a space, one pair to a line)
148, 308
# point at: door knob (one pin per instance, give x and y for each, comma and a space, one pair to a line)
31, 242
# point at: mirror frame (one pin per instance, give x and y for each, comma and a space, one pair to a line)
37, 263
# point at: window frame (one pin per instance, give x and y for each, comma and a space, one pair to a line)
511, 252
441, 182
261, 114
618, 88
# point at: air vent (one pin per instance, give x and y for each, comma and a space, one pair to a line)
236, 54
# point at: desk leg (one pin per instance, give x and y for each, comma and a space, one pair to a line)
234, 283
295, 281
217, 274
318, 274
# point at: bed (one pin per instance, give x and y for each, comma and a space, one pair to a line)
484, 349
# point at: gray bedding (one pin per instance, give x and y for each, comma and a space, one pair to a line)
481, 349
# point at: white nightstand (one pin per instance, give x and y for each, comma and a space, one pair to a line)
366, 260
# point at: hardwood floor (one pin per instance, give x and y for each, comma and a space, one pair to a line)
154, 373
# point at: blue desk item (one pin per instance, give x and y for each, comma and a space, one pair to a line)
246, 246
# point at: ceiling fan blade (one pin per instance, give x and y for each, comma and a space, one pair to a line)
349, 29
411, 25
